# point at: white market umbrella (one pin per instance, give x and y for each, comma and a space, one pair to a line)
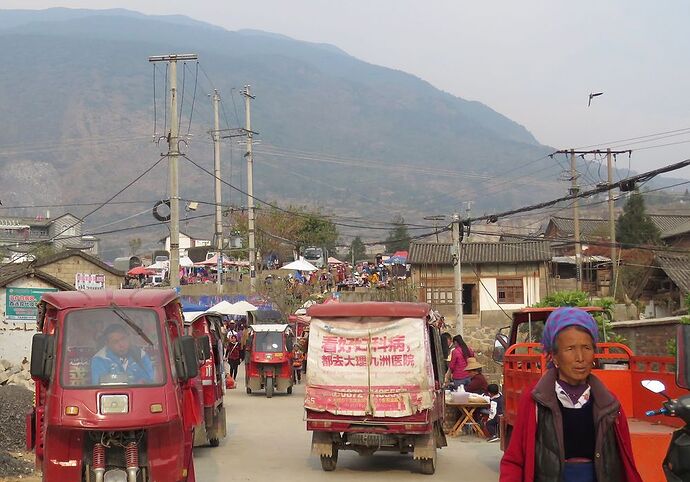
242, 307
159, 265
186, 262
332, 260
224, 308
300, 265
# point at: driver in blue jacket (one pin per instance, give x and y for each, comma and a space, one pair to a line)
118, 359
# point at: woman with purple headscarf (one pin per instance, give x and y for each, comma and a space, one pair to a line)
570, 427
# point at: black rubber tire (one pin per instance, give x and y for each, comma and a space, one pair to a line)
328, 463
158, 216
427, 466
289, 390
269, 387
249, 391
214, 442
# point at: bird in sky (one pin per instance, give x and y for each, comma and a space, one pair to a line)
591, 96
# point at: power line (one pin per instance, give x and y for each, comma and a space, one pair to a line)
604, 187
101, 205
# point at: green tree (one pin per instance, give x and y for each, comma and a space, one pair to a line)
317, 230
582, 299
398, 238
634, 226
358, 251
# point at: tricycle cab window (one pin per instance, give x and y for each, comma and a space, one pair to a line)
111, 347
269, 341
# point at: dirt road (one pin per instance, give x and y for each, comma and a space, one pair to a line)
267, 440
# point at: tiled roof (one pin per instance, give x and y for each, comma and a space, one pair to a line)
677, 267
476, 253
12, 272
67, 253
668, 225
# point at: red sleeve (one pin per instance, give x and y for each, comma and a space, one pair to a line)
515, 464
625, 448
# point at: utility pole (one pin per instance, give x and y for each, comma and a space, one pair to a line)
575, 190
250, 189
216, 172
457, 255
612, 225
173, 156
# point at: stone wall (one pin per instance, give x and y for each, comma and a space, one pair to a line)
648, 337
67, 269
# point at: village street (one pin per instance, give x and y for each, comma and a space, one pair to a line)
267, 440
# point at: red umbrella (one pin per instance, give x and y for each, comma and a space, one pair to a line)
139, 270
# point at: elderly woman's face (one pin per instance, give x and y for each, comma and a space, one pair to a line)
575, 355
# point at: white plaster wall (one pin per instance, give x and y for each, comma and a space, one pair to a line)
530, 286
16, 344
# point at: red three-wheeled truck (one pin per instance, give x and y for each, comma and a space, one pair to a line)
115, 393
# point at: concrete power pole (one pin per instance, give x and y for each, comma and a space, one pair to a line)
216, 172
173, 155
612, 225
575, 190
250, 190
457, 254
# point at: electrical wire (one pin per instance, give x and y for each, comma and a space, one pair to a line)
101, 205
191, 113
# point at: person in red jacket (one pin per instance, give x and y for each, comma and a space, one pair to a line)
570, 427
233, 353
458, 362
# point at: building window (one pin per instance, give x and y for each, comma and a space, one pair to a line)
510, 291
439, 295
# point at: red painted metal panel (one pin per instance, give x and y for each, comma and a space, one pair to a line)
96, 298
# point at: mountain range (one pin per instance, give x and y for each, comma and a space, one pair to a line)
82, 106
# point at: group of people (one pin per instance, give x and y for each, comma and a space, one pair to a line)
465, 373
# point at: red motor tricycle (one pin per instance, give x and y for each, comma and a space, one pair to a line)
115, 399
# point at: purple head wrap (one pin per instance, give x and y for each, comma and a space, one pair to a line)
564, 317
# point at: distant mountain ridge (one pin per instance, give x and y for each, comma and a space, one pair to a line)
79, 94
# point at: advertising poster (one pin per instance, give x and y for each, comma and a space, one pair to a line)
379, 368
21, 303
87, 281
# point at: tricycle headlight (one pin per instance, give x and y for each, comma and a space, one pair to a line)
115, 475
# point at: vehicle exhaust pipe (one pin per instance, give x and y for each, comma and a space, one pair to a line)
132, 461
99, 461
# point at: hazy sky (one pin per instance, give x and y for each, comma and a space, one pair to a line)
535, 61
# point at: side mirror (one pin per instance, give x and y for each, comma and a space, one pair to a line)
683, 356
42, 356
500, 346
204, 347
654, 386
186, 361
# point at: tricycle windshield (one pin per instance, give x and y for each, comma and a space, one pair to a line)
111, 347
268, 342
